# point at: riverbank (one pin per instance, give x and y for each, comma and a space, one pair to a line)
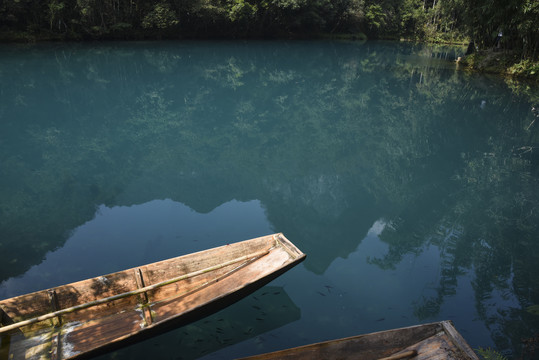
504, 62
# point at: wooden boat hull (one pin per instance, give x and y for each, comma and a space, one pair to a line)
435, 341
96, 315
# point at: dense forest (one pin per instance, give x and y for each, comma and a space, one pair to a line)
433, 20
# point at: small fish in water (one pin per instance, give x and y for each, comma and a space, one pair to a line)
321, 293
260, 319
381, 319
219, 330
256, 307
328, 288
255, 298
276, 293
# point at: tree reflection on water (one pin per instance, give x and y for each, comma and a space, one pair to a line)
329, 137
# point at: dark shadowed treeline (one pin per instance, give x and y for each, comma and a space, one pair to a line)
185, 18
515, 20
434, 20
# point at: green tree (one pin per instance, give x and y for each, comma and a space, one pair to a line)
55, 13
375, 17
160, 17
484, 19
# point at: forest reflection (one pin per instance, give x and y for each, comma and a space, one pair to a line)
329, 137
123, 237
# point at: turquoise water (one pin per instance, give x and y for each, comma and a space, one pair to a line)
411, 185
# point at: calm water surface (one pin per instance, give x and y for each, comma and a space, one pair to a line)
412, 186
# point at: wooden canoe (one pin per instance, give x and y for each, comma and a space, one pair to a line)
91, 316
435, 341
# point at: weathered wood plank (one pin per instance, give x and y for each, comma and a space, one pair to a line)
420, 342
129, 294
458, 340
143, 297
53, 300
55, 346
97, 313
402, 355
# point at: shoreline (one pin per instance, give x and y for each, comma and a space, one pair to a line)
505, 63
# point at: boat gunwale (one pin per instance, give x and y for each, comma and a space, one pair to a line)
431, 329
156, 263
196, 312
268, 243
246, 259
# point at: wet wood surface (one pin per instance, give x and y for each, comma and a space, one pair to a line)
77, 319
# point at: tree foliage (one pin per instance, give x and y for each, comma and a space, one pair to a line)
435, 20
161, 17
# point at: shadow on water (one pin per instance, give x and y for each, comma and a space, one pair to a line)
329, 138
260, 315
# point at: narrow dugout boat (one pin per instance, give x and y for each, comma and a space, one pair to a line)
91, 316
435, 341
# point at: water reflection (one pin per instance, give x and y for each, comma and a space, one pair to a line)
329, 138
123, 237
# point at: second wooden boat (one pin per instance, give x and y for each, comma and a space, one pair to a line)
435, 341
90, 316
